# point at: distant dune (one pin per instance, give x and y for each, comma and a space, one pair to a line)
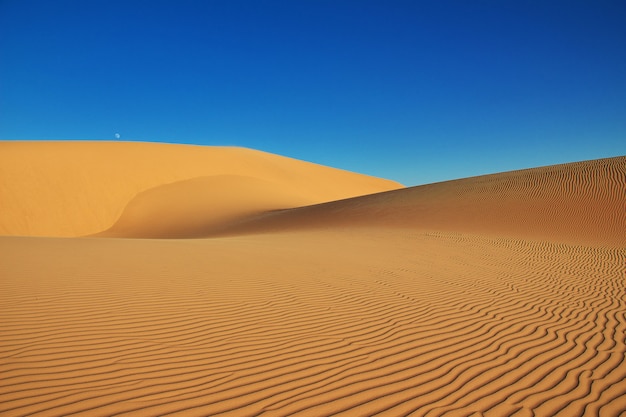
82, 188
231, 282
578, 203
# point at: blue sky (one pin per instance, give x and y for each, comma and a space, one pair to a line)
416, 91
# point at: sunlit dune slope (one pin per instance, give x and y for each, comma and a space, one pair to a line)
583, 202
81, 188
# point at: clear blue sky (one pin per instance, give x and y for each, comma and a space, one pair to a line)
416, 91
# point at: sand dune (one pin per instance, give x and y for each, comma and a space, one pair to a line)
501, 295
576, 203
187, 208
82, 188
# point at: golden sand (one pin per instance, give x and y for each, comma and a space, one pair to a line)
82, 188
501, 295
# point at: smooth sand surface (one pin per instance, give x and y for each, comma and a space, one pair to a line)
501, 295
76, 188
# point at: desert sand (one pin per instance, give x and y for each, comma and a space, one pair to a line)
149, 280
81, 188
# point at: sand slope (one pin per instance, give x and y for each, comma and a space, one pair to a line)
582, 202
465, 298
82, 188
187, 208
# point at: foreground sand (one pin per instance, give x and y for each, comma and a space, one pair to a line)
394, 303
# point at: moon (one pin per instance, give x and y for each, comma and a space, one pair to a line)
117, 136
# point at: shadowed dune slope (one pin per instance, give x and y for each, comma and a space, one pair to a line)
80, 188
184, 209
582, 202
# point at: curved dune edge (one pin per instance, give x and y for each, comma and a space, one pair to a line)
577, 203
314, 323
73, 188
185, 209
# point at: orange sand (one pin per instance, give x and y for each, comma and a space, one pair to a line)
497, 295
82, 188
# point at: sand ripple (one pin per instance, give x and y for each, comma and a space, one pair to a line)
313, 324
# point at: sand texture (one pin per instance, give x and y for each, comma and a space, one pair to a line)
501, 295
82, 188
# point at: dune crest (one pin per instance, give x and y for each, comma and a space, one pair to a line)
81, 188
